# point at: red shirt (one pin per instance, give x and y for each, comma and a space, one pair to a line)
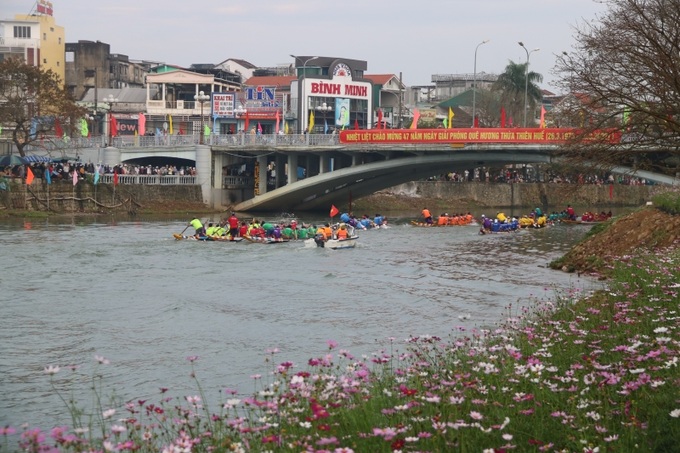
233, 222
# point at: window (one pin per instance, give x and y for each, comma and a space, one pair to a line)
59, 40
22, 32
44, 36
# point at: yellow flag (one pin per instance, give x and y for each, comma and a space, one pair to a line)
170, 128
450, 123
285, 128
311, 122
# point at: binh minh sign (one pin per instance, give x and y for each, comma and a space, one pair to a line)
342, 87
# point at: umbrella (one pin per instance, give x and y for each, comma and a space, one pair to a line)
11, 159
34, 158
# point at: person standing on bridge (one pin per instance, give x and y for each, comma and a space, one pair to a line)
427, 216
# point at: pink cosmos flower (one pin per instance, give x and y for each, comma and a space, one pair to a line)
476, 415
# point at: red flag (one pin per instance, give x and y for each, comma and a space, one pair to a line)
75, 176
115, 177
259, 128
502, 117
114, 126
476, 121
416, 117
542, 117
380, 118
334, 211
57, 128
356, 124
29, 176
277, 121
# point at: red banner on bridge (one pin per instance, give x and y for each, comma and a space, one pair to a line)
445, 136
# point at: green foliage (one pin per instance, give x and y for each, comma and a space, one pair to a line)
668, 202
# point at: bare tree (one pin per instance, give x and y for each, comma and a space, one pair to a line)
623, 76
34, 104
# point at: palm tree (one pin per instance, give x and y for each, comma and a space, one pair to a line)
512, 83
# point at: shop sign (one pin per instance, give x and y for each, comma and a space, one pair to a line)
223, 104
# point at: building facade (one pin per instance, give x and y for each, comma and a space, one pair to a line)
331, 93
35, 38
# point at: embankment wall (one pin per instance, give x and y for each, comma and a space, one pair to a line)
528, 195
86, 197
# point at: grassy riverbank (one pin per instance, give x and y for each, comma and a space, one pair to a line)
586, 372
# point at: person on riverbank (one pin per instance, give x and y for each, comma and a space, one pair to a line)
198, 227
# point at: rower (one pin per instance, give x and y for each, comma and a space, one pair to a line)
198, 226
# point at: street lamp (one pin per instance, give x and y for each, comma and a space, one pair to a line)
324, 108
300, 85
201, 98
474, 83
526, 79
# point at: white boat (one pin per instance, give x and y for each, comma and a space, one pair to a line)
333, 244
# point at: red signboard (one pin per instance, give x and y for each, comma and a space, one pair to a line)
477, 135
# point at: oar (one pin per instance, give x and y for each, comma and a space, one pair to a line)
181, 235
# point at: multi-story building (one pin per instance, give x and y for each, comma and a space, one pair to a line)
447, 86
35, 38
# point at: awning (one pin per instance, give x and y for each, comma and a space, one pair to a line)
34, 158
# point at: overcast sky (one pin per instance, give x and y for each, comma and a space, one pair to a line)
418, 38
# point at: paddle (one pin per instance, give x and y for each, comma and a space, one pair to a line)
181, 235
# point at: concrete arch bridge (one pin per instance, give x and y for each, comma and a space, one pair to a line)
311, 172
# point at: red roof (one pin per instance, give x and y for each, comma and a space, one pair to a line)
270, 81
380, 79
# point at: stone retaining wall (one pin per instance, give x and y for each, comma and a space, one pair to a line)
86, 197
505, 195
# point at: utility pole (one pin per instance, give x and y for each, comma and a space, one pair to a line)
401, 100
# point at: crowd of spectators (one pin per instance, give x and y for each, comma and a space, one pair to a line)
64, 170
529, 174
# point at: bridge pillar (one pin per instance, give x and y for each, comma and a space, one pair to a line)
280, 168
204, 175
292, 168
324, 164
111, 156
262, 164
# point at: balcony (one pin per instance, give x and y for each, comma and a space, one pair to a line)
160, 107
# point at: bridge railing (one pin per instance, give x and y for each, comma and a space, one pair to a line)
238, 182
164, 180
145, 141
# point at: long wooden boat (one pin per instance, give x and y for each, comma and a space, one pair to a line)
258, 240
433, 225
333, 244
181, 237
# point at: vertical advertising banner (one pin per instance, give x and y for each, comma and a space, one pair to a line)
223, 105
341, 112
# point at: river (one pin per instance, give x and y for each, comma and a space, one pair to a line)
127, 291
